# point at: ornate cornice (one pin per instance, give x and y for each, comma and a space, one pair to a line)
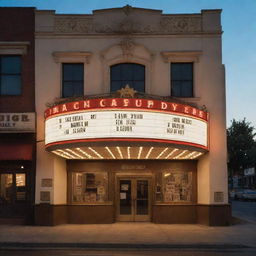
178, 24
73, 25
164, 25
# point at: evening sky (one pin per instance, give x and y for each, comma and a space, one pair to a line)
239, 39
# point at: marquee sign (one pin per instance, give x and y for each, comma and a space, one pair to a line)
126, 119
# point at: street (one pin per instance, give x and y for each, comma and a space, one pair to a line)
155, 252
244, 210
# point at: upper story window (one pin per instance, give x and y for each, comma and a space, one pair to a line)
10, 75
182, 79
72, 79
127, 73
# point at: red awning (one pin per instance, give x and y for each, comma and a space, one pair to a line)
16, 152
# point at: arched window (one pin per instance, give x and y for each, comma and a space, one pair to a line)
127, 73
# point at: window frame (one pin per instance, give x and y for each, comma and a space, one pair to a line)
62, 78
71, 187
132, 63
14, 188
14, 74
178, 172
183, 80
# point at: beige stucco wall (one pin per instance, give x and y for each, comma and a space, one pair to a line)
105, 50
51, 167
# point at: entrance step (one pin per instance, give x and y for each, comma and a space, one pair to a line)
12, 221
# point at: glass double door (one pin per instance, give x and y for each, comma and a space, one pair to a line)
13, 194
133, 199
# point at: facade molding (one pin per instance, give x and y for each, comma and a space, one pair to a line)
181, 56
14, 48
72, 57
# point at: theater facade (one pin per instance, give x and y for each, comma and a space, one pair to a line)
130, 107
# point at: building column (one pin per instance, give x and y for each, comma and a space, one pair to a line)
51, 188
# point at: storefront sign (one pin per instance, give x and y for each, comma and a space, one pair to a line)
173, 123
17, 122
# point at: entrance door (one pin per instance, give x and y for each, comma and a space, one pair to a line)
133, 199
13, 194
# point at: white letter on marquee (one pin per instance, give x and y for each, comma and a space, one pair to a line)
86, 104
76, 105
102, 103
126, 102
150, 103
163, 105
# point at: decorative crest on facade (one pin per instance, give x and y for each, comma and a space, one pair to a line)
170, 25
127, 9
126, 92
127, 45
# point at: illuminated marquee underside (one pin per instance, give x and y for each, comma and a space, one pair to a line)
130, 120
133, 153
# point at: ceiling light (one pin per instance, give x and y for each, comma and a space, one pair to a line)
171, 153
96, 153
128, 152
181, 154
139, 154
120, 153
74, 153
149, 152
197, 155
84, 153
161, 153
110, 152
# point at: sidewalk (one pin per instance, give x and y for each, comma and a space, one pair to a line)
125, 235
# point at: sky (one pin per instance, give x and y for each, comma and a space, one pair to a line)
238, 44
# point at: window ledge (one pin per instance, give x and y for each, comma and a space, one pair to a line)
181, 56
93, 204
175, 203
188, 99
73, 57
14, 48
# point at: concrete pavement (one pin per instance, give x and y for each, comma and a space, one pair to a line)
130, 234
138, 235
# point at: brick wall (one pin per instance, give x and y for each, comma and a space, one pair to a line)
18, 24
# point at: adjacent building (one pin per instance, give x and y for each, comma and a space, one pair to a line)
17, 115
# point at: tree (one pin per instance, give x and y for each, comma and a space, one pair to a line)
241, 146
252, 154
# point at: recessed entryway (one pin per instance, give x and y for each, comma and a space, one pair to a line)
133, 199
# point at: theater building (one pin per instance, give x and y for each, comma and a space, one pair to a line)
17, 115
131, 119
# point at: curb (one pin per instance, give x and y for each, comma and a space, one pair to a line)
24, 246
